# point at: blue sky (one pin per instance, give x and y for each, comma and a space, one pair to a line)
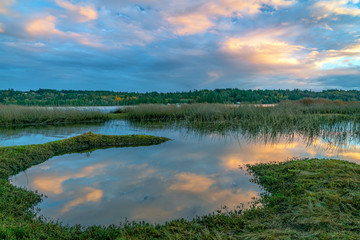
173, 45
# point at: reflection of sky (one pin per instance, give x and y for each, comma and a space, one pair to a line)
156, 183
188, 176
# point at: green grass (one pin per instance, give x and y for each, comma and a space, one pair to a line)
314, 199
12, 115
306, 199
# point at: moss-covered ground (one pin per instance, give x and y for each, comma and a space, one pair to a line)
306, 199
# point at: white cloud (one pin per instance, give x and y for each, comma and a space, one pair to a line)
324, 9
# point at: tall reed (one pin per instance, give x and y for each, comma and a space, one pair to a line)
308, 117
20, 115
285, 111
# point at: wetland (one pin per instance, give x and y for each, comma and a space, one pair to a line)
198, 180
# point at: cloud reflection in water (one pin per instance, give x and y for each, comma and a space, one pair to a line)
183, 178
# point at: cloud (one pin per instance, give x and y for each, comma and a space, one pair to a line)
201, 17
179, 45
267, 51
5, 4
263, 51
53, 184
88, 195
190, 23
82, 13
324, 9
347, 57
191, 183
45, 27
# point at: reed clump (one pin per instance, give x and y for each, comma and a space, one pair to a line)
322, 106
288, 110
13, 115
309, 115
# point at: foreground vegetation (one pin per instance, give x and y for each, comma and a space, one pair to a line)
12, 115
306, 199
49, 97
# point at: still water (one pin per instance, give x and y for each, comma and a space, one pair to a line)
194, 174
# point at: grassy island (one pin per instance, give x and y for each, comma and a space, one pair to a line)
305, 199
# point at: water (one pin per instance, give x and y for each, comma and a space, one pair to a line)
103, 109
192, 175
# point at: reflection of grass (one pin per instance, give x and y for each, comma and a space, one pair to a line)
11, 115
315, 199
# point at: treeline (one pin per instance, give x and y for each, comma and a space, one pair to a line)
47, 97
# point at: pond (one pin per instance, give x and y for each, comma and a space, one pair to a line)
194, 174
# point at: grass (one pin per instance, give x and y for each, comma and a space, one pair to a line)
307, 117
12, 115
314, 199
288, 110
306, 199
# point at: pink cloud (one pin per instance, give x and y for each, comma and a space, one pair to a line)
200, 16
45, 27
88, 195
82, 13
264, 48
190, 24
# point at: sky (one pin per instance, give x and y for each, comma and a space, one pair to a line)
179, 45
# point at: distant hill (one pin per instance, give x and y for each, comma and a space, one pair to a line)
47, 97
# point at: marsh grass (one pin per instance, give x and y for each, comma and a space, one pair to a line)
12, 115
308, 117
308, 199
232, 114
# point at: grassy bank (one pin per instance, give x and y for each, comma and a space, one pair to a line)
307, 199
12, 115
